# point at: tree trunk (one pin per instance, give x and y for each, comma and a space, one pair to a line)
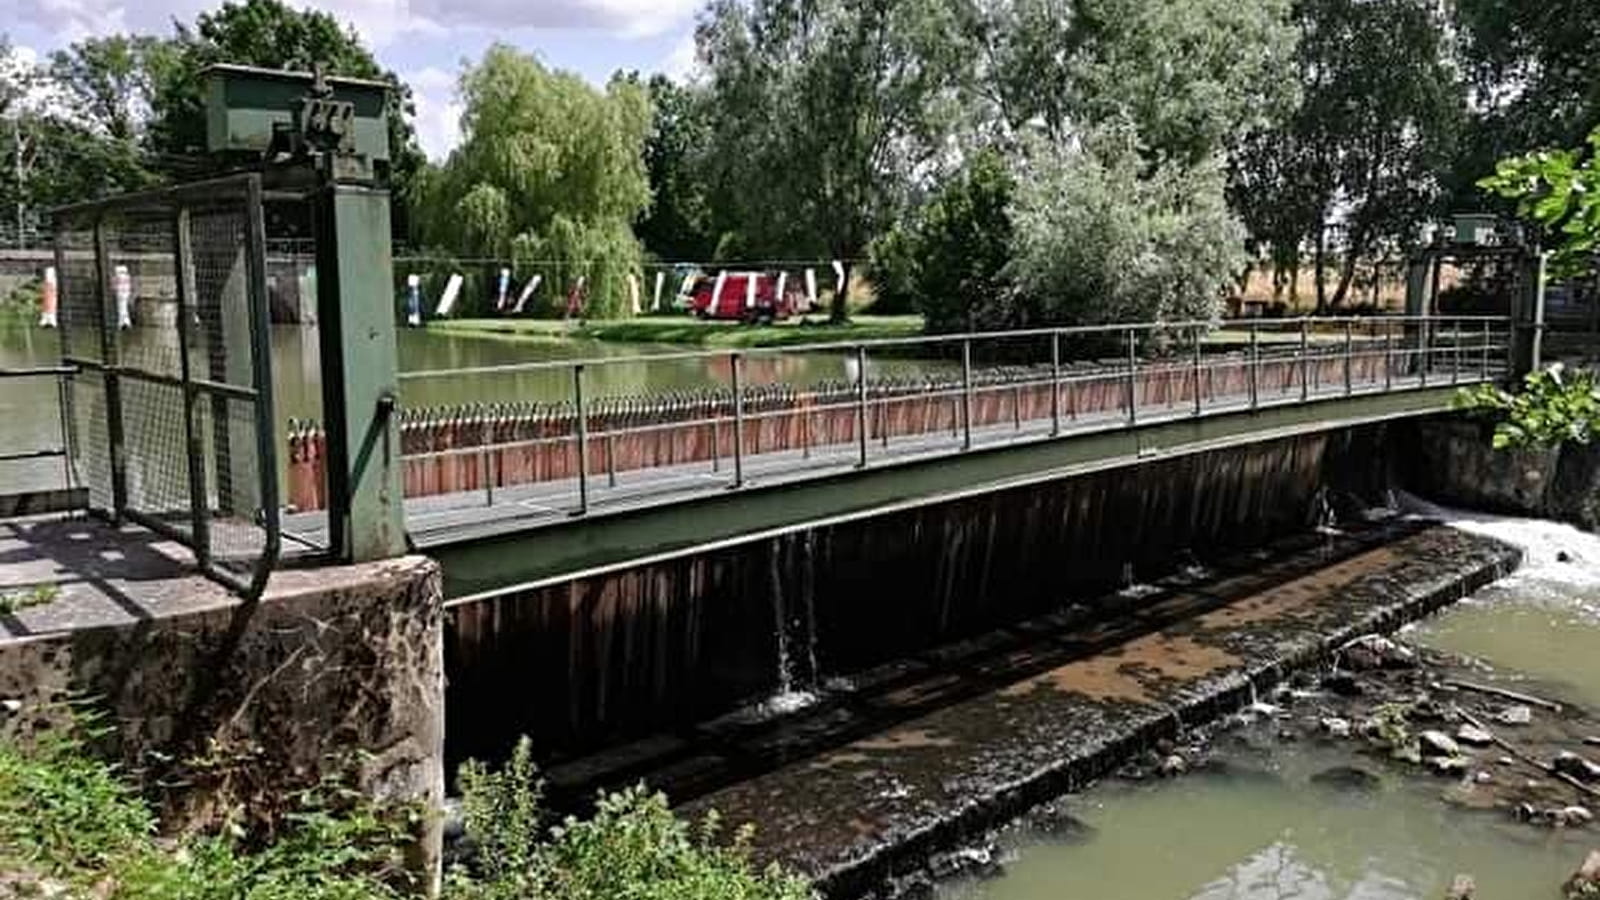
839, 312
1347, 272
1320, 267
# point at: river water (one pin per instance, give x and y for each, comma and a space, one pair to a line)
1261, 830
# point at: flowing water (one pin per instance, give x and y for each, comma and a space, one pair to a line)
1261, 829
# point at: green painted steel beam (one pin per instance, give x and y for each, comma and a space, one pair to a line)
477, 561
355, 306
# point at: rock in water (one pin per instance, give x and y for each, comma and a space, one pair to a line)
1173, 766
1347, 778
1462, 888
1449, 765
1339, 728
1572, 816
1473, 736
1515, 715
1437, 744
1342, 684
1586, 881
1377, 652
1569, 763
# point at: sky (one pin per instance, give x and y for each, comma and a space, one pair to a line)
425, 41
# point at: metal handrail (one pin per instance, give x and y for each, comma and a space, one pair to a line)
1425, 347
934, 339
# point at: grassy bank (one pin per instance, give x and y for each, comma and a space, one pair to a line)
689, 332
72, 826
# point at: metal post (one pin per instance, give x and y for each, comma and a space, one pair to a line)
581, 417
111, 355
736, 365
966, 394
1016, 407
1133, 375
1536, 357
483, 463
1388, 356
1055, 383
1349, 349
1199, 338
1255, 368
611, 457
1483, 366
1305, 359
62, 391
199, 502
861, 406
1455, 351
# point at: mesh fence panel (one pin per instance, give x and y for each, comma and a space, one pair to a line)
172, 284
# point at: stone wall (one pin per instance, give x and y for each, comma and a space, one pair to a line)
221, 709
1453, 461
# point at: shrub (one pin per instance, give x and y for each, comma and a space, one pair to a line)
1555, 406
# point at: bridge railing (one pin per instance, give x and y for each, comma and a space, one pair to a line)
785, 413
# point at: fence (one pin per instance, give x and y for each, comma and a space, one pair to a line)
173, 420
1166, 370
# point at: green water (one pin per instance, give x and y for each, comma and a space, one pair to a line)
1264, 831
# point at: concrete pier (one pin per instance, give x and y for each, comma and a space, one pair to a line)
221, 707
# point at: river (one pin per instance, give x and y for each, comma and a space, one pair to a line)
29, 408
1259, 829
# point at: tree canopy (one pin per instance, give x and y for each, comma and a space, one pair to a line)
550, 173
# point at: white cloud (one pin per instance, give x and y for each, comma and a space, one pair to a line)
438, 120
380, 22
681, 63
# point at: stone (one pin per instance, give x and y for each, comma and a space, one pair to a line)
1347, 778
1515, 715
1377, 652
1524, 812
1336, 727
1473, 736
1462, 887
1437, 744
1586, 881
1563, 556
1407, 753
1483, 778
1592, 740
1342, 684
1448, 765
1506, 761
1173, 765
11, 706
1573, 816
1569, 763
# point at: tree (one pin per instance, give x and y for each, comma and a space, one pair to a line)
1356, 166
273, 35
1187, 75
1101, 237
823, 116
1531, 70
549, 171
951, 261
1559, 191
679, 223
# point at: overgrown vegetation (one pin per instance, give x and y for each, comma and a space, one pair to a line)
1559, 191
22, 598
73, 826
1555, 406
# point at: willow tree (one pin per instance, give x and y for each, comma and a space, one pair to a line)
549, 174
824, 115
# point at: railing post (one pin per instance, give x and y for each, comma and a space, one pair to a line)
1424, 348
736, 363
1455, 348
488, 474
1483, 366
611, 456
1388, 356
1349, 351
1055, 383
111, 355
1133, 375
1199, 360
861, 406
966, 393
583, 438
183, 281
1255, 367
1305, 359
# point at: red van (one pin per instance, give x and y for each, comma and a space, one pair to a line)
744, 296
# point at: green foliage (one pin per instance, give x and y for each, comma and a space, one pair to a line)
1102, 238
1355, 167
680, 223
632, 847
1559, 190
950, 260
1554, 407
822, 114
38, 595
63, 813
549, 172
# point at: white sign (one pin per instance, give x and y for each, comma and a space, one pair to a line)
447, 300
527, 291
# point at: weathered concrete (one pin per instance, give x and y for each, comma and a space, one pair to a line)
878, 806
1455, 462
220, 707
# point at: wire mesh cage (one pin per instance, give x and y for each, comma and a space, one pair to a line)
164, 312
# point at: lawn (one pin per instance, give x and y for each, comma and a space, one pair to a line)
690, 332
